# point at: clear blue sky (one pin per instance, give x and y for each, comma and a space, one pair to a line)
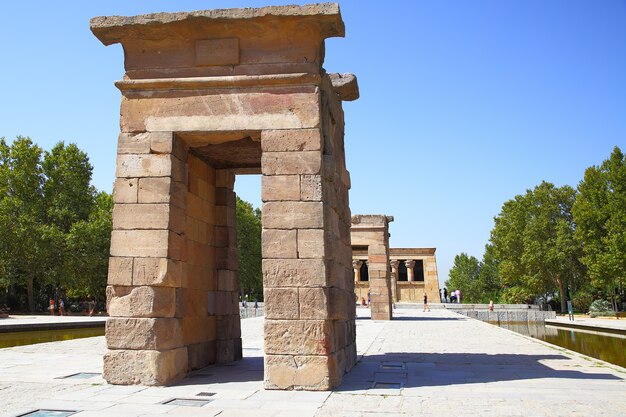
464, 104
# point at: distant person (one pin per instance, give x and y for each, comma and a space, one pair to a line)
256, 304
426, 303
490, 305
91, 305
369, 298
445, 295
363, 302
453, 297
61, 307
51, 307
441, 295
458, 296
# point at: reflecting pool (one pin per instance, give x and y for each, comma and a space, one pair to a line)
608, 347
43, 336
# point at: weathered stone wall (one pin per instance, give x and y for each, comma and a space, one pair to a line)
147, 268
309, 326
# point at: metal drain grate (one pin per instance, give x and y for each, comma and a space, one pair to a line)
205, 394
187, 402
80, 375
49, 413
387, 385
393, 366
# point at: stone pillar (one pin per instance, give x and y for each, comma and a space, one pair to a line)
307, 271
410, 264
394, 278
224, 301
356, 265
147, 267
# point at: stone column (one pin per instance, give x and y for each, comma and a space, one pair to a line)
394, 278
308, 278
147, 267
356, 265
410, 264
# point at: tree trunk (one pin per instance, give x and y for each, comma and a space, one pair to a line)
30, 295
562, 294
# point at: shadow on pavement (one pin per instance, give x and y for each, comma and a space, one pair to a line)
404, 369
248, 369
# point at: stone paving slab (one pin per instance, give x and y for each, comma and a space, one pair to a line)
427, 364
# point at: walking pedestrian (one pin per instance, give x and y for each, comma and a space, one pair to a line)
426, 303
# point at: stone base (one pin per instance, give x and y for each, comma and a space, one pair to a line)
144, 367
311, 373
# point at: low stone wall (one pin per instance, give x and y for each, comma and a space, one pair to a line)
250, 311
477, 307
508, 316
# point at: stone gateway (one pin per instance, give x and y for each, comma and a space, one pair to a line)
206, 96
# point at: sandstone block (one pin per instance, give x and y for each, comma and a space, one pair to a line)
291, 140
280, 188
197, 303
226, 280
198, 329
140, 165
139, 243
298, 337
125, 190
314, 373
201, 354
290, 163
225, 351
143, 302
293, 215
228, 327
311, 243
154, 190
279, 273
279, 243
244, 111
311, 187
281, 303
133, 143
144, 333
314, 303
141, 216
167, 143
120, 271
144, 367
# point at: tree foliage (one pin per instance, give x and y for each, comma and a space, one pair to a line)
600, 215
43, 195
249, 249
533, 238
478, 280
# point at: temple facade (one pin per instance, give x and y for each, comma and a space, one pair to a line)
412, 271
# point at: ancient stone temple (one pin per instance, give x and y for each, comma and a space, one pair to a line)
206, 96
370, 247
412, 273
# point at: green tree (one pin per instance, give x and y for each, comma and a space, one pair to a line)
67, 192
600, 215
249, 249
478, 280
46, 204
533, 238
464, 276
87, 250
29, 247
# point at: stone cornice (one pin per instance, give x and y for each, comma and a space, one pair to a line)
233, 81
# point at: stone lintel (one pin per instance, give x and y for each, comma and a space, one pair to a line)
218, 82
157, 26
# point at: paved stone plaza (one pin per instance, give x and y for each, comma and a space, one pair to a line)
426, 364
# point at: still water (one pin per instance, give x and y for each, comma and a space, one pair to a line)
610, 348
43, 336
